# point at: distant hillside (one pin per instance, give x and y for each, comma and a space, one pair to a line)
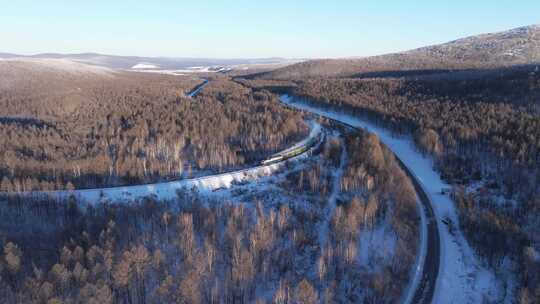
516, 46
129, 62
7, 55
34, 87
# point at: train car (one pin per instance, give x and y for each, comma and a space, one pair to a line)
272, 160
290, 154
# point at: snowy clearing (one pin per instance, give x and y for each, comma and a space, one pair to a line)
462, 278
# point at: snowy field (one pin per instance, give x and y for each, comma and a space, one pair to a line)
462, 277
144, 66
150, 68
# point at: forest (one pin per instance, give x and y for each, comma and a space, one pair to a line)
65, 130
482, 129
270, 246
256, 179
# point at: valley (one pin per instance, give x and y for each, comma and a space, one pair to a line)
409, 177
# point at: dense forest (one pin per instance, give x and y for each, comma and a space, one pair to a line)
64, 127
482, 128
292, 247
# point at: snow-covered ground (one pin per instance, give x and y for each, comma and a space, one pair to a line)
149, 68
336, 189
168, 190
59, 65
269, 189
165, 72
462, 277
144, 66
266, 65
376, 245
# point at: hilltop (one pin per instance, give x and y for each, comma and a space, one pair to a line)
513, 47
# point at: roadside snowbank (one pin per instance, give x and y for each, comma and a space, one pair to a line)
462, 278
167, 190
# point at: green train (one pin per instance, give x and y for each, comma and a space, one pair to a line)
292, 153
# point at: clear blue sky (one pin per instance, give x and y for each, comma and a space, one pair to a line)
233, 29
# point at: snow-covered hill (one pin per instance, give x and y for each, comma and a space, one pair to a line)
52, 65
513, 47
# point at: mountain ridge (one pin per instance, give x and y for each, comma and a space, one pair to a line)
516, 46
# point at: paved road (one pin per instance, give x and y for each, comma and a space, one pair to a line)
426, 286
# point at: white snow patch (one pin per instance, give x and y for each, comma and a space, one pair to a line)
167, 190
143, 66
190, 70
376, 245
462, 278
164, 72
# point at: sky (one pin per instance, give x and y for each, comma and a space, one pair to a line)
251, 29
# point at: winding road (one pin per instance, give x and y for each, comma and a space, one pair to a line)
425, 281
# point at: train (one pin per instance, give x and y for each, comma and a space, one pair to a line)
279, 157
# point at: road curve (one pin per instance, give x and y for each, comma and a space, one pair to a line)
425, 288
